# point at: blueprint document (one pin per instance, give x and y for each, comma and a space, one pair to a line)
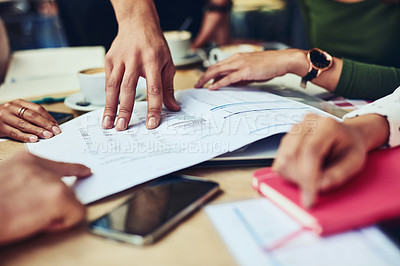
251, 229
209, 124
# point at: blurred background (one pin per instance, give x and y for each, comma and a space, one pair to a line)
35, 24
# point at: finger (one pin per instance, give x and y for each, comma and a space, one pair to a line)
285, 163
63, 169
16, 134
26, 127
341, 170
155, 98
214, 72
232, 78
37, 108
49, 126
316, 148
113, 82
128, 91
169, 100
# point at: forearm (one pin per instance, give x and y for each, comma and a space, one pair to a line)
299, 65
387, 107
220, 2
373, 129
136, 13
366, 81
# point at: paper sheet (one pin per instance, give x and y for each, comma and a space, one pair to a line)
248, 227
209, 124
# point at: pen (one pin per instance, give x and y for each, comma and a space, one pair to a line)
49, 100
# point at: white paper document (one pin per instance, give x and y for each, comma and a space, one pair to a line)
250, 227
209, 124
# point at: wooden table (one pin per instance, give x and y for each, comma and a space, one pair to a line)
193, 242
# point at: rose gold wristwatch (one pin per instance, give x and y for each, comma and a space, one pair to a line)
319, 61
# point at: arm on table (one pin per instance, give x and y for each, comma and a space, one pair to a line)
321, 153
33, 198
262, 66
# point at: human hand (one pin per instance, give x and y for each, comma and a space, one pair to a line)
139, 49
26, 121
321, 153
33, 198
256, 66
215, 27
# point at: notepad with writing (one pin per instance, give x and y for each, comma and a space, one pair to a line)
371, 196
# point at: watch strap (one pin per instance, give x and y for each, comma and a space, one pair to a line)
310, 76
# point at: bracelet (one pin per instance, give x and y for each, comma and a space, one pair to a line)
210, 7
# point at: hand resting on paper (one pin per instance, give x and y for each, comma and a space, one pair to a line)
26, 121
244, 68
321, 153
139, 49
33, 198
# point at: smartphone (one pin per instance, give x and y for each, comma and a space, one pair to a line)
155, 209
61, 117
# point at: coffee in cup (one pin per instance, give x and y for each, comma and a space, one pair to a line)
223, 52
93, 82
178, 43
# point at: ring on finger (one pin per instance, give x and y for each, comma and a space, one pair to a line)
21, 112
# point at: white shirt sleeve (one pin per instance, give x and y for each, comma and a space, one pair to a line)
389, 107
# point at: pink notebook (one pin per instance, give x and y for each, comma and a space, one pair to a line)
371, 196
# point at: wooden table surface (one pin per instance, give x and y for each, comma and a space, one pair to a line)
193, 242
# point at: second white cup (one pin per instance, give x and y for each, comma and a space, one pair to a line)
178, 43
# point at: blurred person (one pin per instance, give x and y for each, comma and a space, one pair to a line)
139, 47
33, 199
321, 153
4, 51
361, 36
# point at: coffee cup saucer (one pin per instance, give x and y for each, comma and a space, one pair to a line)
77, 101
191, 58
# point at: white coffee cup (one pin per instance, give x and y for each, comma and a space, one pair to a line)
223, 52
93, 82
178, 43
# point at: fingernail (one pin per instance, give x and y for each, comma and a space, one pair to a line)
33, 139
307, 199
177, 104
120, 124
47, 134
211, 87
107, 122
152, 123
56, 130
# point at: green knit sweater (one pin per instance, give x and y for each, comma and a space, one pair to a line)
366, 35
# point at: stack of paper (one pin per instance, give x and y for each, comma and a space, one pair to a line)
209, 124
253, 230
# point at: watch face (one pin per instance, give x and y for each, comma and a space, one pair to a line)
320, 59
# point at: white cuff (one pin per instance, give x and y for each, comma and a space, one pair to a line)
389, 107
